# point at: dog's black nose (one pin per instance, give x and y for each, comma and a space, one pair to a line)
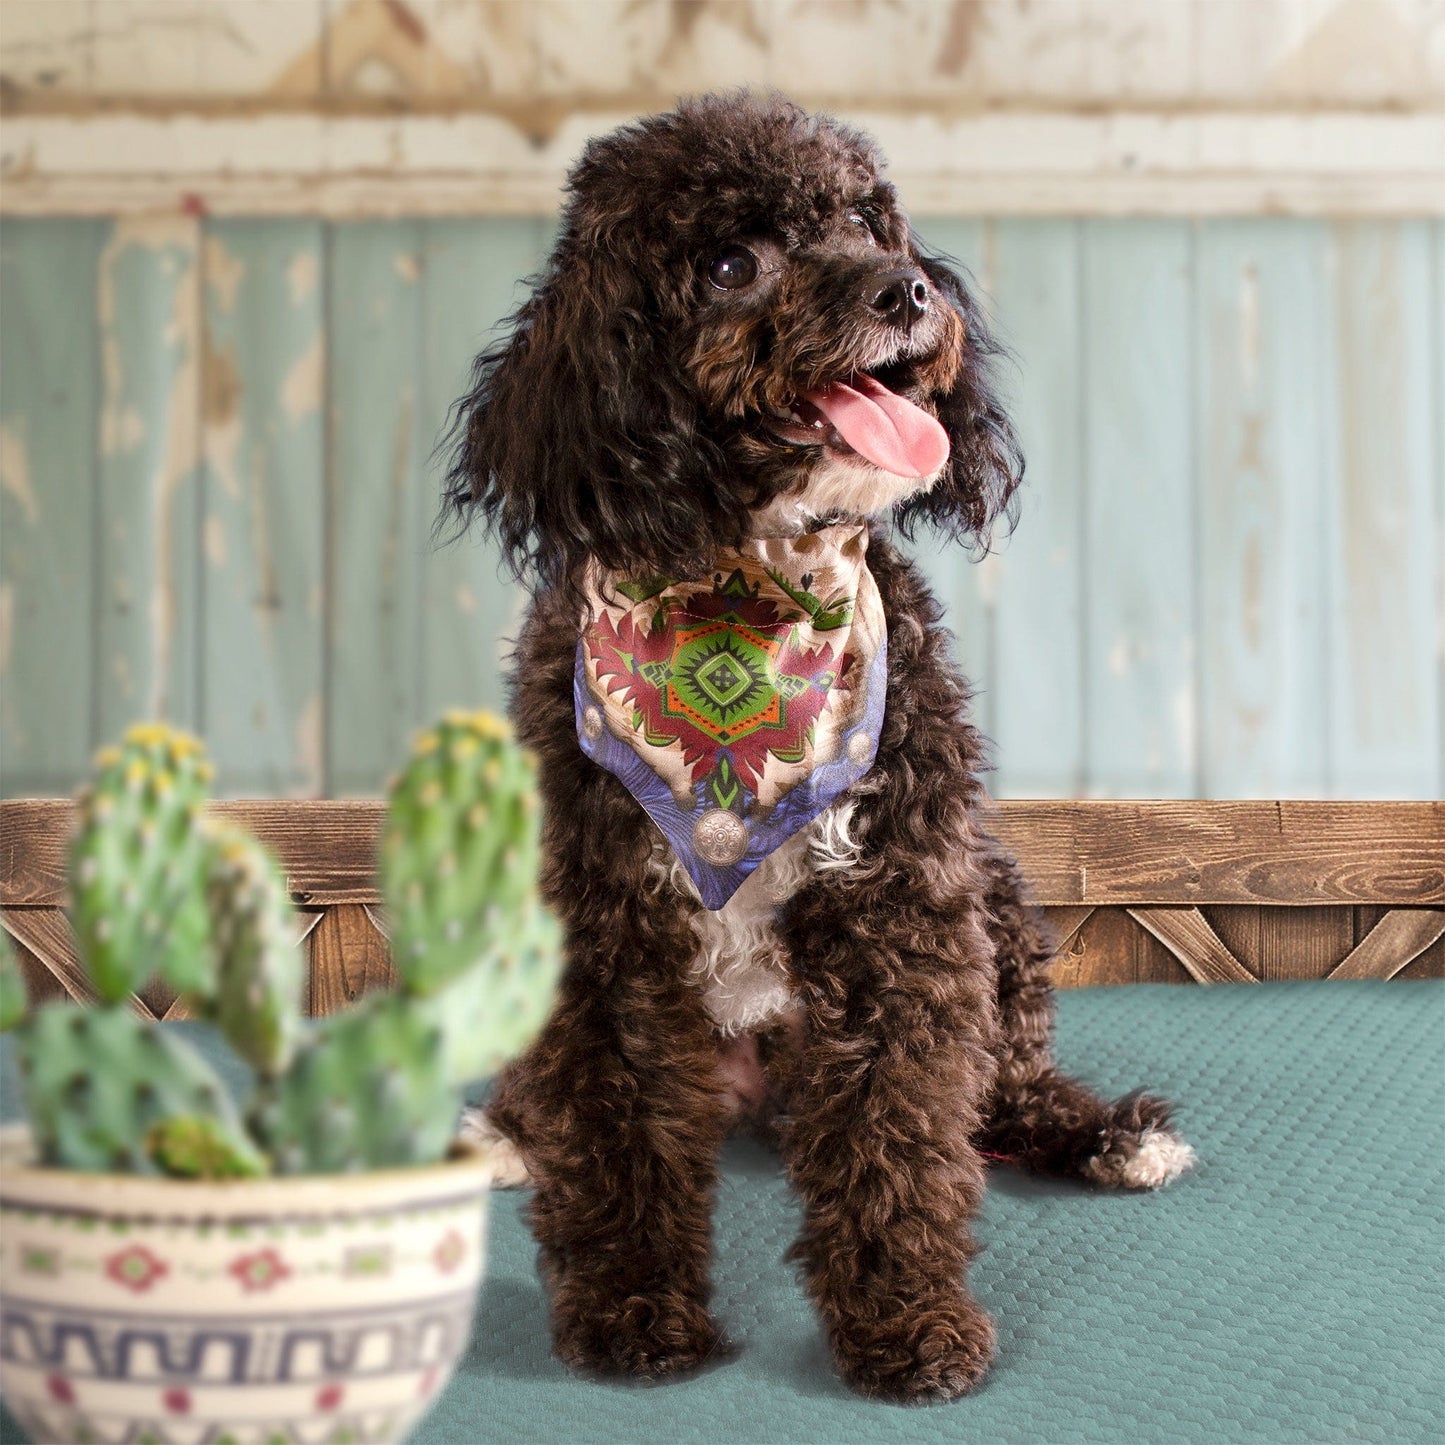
900, 297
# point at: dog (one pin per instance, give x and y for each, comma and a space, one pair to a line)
767, 847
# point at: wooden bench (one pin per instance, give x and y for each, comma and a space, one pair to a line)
1150, 892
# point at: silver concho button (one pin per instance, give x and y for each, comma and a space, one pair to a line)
860, 748
720, 837
592, 723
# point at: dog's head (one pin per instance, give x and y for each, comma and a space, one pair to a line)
736, 334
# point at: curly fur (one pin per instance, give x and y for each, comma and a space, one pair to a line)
639, 418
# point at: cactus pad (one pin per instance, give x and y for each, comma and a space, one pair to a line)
99, 1080
137, 865
459, 856
260, 974
12, 985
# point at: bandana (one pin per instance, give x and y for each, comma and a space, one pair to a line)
737, 707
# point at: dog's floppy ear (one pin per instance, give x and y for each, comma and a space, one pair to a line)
985, 465
578, 438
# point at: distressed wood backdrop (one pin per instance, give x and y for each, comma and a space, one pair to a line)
214, 443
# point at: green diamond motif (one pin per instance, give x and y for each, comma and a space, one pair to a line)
722, 679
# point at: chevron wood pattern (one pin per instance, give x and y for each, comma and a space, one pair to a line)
1137, 892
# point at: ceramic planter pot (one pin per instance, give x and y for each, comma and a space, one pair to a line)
257, 1312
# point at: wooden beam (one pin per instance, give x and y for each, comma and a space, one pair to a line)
1395, 942
1039, 161
1186, 933
1072, 852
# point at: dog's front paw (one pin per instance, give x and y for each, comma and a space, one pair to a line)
1141, 1161
646, 1339
932, 1352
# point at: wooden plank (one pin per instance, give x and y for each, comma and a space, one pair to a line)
964, 584
264, 384
348, 958
1139, 665
1111, 948
47, 489
1095, 852
1038, 716
1186, 933
148, 309
472, 274
1385, 722
1303, 943
376, 531
1396, 941
169, 1008
1239, 928
1261, 343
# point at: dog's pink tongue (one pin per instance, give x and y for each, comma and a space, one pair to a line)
884, 427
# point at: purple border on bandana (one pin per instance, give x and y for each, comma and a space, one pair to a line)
798, 808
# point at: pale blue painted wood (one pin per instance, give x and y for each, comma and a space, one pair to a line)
263, 666
1038, 622
377, 526
961, 582
1438, 405
1139, 671
1263, 436
1379, 501
471, 279
49, 387
148, 309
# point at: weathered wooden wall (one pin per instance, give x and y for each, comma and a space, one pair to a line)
217, 496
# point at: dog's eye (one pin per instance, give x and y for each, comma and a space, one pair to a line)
734, 269
856, 220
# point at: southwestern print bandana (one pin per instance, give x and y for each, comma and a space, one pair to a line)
737, 707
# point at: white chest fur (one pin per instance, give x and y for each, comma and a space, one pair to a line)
740, 964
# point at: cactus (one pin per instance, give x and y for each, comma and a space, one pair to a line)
98, 1082
137, 865
459, 856
259, 973
157, 888
12, 986
476, 959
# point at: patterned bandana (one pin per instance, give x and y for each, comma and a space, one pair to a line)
736, 708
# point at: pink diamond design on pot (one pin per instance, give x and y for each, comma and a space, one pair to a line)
177, 1401
328, 1397
450, 1252
260, 1270
136, 1268
61, 1390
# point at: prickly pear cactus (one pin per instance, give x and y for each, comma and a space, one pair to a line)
100, 1081
12, 986
259, 972
459, 856
368, 1090
138, 864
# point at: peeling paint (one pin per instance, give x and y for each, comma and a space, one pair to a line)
214, 541
301, 276
7, 625
224, 273
1119, 657
15, 469
309, 740
1250, 334
302, 387
407, 266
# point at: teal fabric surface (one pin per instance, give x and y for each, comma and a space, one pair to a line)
1288, 1290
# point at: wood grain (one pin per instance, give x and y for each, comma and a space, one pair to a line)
46, 934
1395, 942
1076, 852
1186, 933
349, 957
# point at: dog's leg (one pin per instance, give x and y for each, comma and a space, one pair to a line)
615, 1112
885, 1093
1041, 1118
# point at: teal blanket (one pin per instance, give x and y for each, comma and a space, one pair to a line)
1290, 1289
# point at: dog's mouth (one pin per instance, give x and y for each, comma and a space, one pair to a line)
867, 416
